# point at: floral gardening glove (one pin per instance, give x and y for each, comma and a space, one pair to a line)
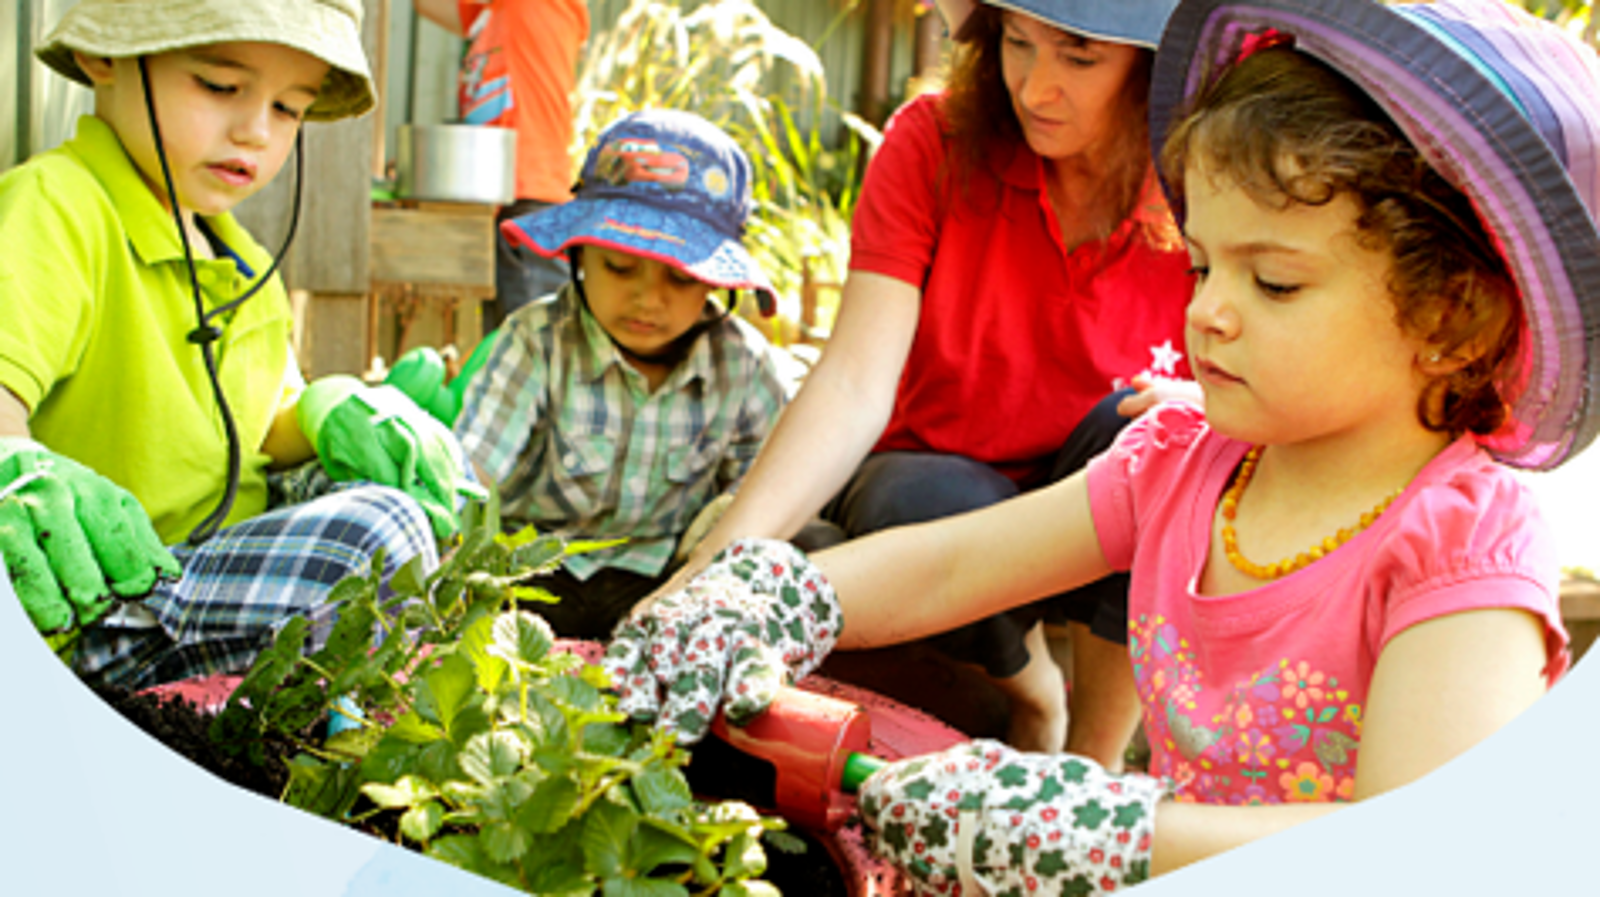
72, 539
984, 815
760, 614
379, 435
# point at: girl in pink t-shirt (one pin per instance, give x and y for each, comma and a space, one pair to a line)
1337, 584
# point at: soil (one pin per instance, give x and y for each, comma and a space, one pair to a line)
183, 727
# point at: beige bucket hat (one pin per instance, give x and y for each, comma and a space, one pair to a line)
330, 30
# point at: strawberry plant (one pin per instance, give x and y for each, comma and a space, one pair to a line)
479, 745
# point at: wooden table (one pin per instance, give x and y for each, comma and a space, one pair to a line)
432, 269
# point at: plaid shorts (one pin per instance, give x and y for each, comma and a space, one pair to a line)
240, 587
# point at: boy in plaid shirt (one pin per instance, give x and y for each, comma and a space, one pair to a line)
625, 403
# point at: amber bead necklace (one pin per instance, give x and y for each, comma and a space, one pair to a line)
1230, 539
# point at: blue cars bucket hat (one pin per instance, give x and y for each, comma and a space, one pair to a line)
663, 184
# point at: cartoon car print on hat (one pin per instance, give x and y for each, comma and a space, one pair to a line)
633, 161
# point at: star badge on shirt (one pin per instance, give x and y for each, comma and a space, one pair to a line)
1164, 359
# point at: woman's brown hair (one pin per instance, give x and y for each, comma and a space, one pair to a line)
1289, 129
982, 123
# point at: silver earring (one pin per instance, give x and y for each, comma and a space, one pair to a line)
1434, 358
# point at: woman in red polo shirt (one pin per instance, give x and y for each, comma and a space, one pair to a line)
1015, 278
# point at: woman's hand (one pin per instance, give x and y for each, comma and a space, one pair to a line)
761, 614
1152, 391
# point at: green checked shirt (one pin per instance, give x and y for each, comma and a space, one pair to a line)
580, 446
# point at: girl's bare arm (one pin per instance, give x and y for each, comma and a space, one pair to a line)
912, 581
13, 415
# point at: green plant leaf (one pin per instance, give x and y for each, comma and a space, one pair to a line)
475, 647
356, 673
662, 792
784, 842
607, 739
422, 822
542, 554
551, 806
436, 761
406, 792
460, 851
295, 709
720, 822
326, 789
705, 872
607, 828
522, 636
447, 594
446, 688
574, 693
492, 755
411, 579
651, 847
749, 888
642, 887
273, 664
351, 635
553, 863
503, 841
481, 518
416, 730
535, 594
744, 856
585, 546
389, 759
414, 616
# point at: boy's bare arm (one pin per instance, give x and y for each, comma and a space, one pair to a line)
286, 444
13, 415
444, 13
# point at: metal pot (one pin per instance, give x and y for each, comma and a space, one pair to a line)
457, 163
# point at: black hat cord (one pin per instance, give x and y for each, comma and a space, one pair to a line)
208, 333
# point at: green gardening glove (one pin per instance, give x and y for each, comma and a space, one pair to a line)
379, 435
420, 375
72, 539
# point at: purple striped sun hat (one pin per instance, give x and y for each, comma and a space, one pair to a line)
1507, 108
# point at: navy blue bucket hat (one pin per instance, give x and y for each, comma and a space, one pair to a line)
1136, 22
663, 184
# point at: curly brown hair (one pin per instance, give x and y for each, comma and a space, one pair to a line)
1289, 129
982, 123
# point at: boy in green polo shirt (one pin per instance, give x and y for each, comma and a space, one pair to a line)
147, 385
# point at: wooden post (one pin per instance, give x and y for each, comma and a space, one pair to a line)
877, 48
380, 81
